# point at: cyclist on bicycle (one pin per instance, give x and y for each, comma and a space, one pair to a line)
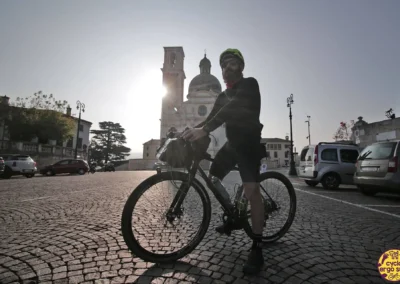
239, 108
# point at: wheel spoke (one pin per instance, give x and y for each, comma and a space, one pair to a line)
164, 234
279, 200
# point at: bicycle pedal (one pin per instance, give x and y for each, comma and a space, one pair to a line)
223, 230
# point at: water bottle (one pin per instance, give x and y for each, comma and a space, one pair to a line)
263, 167
221, 189
242, 205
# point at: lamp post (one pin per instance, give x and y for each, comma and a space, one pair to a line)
292, 170
5, 102
81, 107
309, 136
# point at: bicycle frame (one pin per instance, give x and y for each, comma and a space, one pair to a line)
181, 194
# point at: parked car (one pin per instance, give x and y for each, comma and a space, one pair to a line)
67, 166
328, 163
109, 167
17, 164
2, 165
378, 168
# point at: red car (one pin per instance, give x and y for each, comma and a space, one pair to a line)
68, 166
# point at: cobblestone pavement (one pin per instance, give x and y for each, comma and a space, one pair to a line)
66, 229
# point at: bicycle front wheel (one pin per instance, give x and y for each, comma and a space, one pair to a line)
157, 234
279, 201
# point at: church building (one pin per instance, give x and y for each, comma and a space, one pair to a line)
177, 113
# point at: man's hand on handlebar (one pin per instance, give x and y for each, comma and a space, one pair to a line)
193, 134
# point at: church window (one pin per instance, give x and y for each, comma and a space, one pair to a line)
173, 59
202, 111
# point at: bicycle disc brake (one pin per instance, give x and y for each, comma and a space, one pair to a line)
270, 206
172, 216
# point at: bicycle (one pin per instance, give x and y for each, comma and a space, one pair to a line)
238, 216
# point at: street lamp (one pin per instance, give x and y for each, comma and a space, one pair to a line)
292, 170
81, 107
309, 136
5, 102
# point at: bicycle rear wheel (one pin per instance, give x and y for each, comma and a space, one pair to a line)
275, 226
143, 232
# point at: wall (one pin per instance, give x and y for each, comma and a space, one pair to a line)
42, 161
123, 167
150, 149
140, 164
42, 154
365, 134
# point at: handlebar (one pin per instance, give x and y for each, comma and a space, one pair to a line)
176, 134
198, 147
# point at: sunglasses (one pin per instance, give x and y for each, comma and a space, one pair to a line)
229, 60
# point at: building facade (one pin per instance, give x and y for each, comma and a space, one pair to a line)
364, 133
177, 113
83, 140
150, 149
278, 151
84, 132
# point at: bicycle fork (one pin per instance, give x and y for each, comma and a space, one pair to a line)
176, 210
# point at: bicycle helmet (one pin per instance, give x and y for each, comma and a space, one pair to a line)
232, 51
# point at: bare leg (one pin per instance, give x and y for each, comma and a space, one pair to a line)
253, 194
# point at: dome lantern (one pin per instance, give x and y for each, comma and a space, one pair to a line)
205, 81
205, 65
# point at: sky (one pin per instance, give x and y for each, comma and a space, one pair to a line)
340, 59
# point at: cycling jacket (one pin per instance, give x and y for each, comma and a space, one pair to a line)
239, 108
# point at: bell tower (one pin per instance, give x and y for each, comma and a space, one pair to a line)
173, 80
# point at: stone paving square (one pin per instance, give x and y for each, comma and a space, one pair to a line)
66, 229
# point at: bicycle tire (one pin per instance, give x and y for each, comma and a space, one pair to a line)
292, 212
126, 219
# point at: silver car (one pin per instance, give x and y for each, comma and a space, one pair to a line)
328, 163
17, 164
378, 168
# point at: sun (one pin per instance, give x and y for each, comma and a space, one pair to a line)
163, 91
150, 86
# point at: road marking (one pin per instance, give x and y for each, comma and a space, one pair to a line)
349, 203
38, 198
325, 191
379, 205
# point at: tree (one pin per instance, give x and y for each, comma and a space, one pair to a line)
110, 140
41, 101
344, 131
96, 153
40, 116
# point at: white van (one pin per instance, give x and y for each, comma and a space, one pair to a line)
328, 163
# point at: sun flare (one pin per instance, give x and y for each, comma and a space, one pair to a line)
146, 94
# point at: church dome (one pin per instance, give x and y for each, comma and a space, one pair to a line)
205, 81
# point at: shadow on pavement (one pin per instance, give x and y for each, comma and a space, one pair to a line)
179, 270
385, 196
